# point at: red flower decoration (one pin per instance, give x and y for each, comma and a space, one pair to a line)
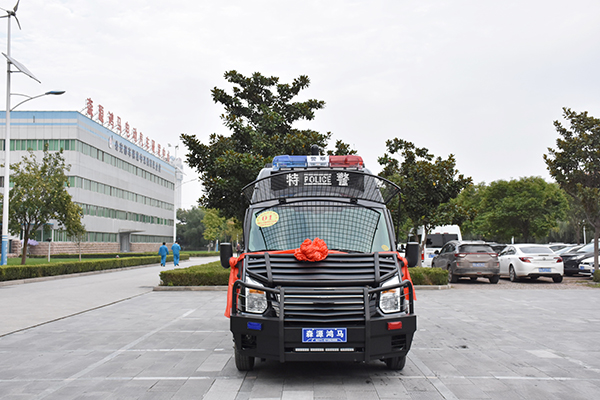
312, 250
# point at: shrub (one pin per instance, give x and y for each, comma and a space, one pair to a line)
13, 272
597, 276
428, 276
211, 274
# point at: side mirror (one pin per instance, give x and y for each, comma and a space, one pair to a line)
412, 253
226, 252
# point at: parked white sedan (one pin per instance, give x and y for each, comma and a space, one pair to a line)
530, 261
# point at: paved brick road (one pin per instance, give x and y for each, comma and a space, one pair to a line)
475, 341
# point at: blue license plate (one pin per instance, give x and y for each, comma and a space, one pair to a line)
479, 265
545, 269
324, 335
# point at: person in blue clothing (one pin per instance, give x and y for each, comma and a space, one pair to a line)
162, 252
175, 248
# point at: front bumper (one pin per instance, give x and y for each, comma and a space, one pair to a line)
372, 336
269, 338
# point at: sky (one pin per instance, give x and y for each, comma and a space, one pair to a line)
478, 79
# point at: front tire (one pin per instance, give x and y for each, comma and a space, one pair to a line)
243, 363
396, 363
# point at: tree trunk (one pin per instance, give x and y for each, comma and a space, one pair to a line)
596, 236
25, 246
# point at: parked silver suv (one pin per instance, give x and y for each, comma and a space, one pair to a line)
471, 259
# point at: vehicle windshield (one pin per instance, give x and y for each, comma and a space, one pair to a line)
475, 248
536, 250
588, 248
346, 227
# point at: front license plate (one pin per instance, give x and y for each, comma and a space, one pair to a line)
479, 265
582, 267
545, 269
324, 335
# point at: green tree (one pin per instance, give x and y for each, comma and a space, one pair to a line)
40, 195
526, 209
190, 232
428, 185
470, 199
575, 165
220, 228
260, 114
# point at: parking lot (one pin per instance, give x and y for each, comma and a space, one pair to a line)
528, 340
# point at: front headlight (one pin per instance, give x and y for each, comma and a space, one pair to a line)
389, 300
256, 300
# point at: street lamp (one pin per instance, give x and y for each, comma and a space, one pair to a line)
19, 68
3, 259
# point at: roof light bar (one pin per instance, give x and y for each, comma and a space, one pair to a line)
285, 161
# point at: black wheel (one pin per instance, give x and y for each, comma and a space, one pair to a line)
512, 274
473, 278
396, 363
451, 277
534, 278
557, 279
494, 278
243, 363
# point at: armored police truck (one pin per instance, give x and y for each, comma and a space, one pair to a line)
319, 278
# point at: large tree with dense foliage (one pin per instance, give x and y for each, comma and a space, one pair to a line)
40, 195
260, 115
190, 230
428, 185
526, 209
575, 164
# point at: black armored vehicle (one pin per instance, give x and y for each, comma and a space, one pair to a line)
319, 278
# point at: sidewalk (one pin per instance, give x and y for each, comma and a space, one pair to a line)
24, 305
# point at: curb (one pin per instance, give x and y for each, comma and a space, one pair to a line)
189, 288
432, 287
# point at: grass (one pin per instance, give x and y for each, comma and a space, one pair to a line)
38, 261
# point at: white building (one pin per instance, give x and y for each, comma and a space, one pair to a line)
124, 181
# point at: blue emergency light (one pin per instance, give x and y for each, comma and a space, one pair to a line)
289, 162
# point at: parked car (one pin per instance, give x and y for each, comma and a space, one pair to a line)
573, 257
586, 266
530, 261
436, 239
555, 247
471, 259
571, 247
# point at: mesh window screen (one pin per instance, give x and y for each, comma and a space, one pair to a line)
350, 228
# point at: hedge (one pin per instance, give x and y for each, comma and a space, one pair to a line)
213, 274
12, 272
596, 277
428, 276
